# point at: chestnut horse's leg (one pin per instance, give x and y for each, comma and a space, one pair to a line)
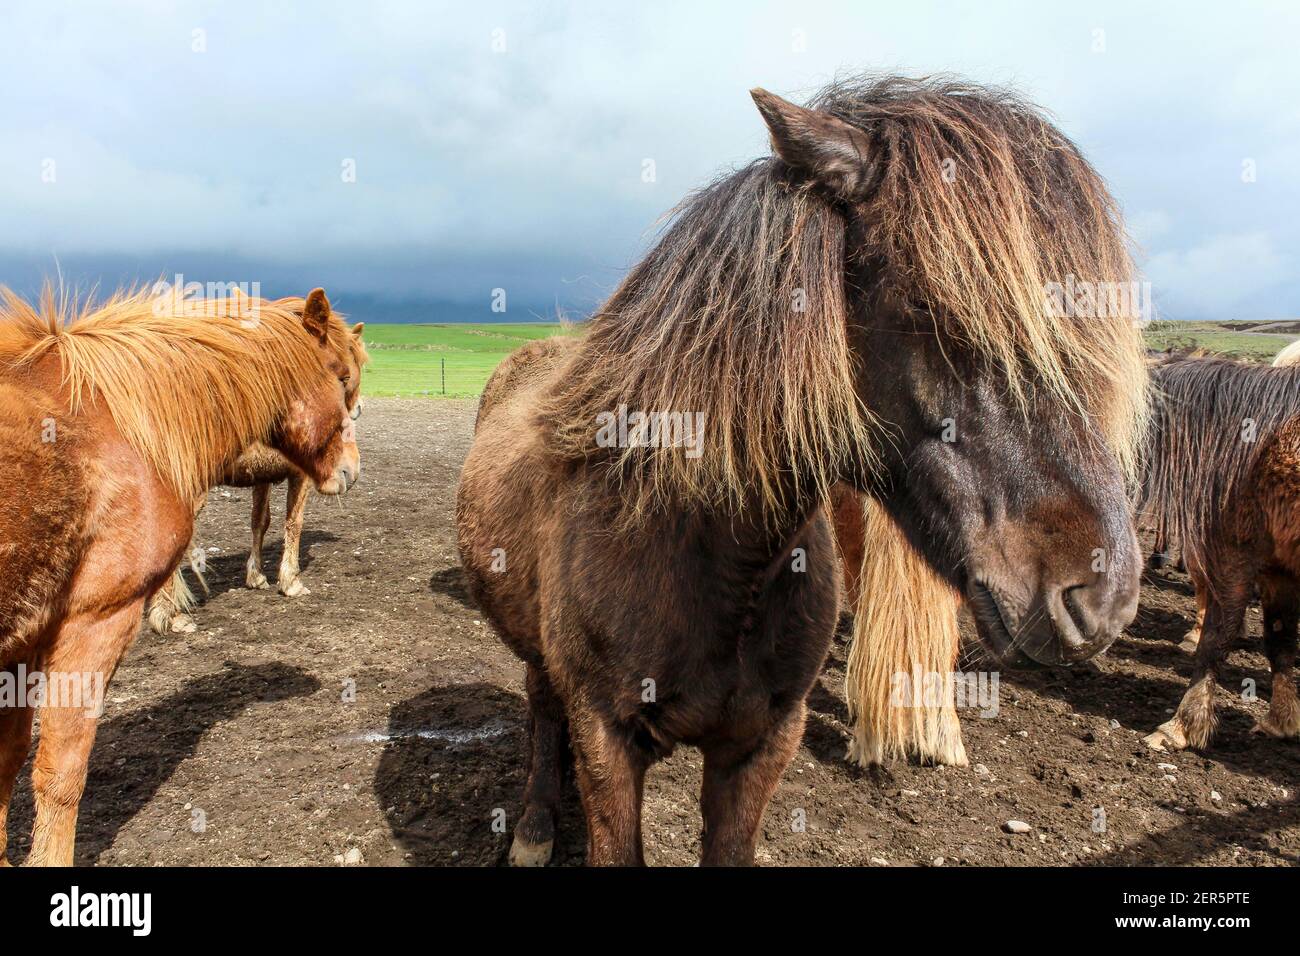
1281, 613
84, 645
738, 783
1193, 723
610, 770
535, 833
295, 502
15, 741
254, 577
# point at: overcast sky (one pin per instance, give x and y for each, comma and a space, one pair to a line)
505, 144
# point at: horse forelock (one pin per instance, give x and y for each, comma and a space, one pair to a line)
189, 390
984, 211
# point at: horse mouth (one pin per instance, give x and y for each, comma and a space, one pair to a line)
993, 629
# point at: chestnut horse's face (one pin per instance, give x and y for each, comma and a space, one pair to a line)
316, 432
1027, 515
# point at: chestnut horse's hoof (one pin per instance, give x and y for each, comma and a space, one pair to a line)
1168, 736
183, 624
523, 853
294, 588
256, 579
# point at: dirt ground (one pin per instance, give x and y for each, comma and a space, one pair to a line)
378, 720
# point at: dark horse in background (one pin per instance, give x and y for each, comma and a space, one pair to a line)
864, 306
1223, 480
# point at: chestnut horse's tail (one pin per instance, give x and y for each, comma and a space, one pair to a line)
905, 644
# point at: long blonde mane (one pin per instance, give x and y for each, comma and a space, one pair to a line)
904, 633
189, 389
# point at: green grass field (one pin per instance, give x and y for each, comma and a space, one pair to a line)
1253, 346
442, 361
455, 360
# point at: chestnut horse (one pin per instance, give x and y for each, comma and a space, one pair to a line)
1224, 479
642, 515
260, 467
114, 419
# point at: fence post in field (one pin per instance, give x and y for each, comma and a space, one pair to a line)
444, 374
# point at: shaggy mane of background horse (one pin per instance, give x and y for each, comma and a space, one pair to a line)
1213, 420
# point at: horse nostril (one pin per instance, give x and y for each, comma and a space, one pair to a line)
1080, 604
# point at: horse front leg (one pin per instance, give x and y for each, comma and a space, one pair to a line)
260, 521
610, 771
15, 741
1281, 601
738, 785
294, 505
1194, 722
534, 836
85, 652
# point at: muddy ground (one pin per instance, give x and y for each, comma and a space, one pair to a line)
242, 743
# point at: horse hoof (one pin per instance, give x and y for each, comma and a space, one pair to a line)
1268, 727
1168, 736
530, 854
183, 624
159, 621
256, 579
294, 588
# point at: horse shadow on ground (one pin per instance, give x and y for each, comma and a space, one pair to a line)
137, 752
1203, 834
226, 571
452, 775
1142, 703
450, 582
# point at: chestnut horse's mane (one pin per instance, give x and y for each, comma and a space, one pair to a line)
978, 205
188, 389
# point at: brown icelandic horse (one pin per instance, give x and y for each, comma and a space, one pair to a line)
642, 513
1223, 477
260, 467
114, 419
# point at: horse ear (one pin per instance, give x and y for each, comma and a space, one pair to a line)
316, 314
356, 329
833, 152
